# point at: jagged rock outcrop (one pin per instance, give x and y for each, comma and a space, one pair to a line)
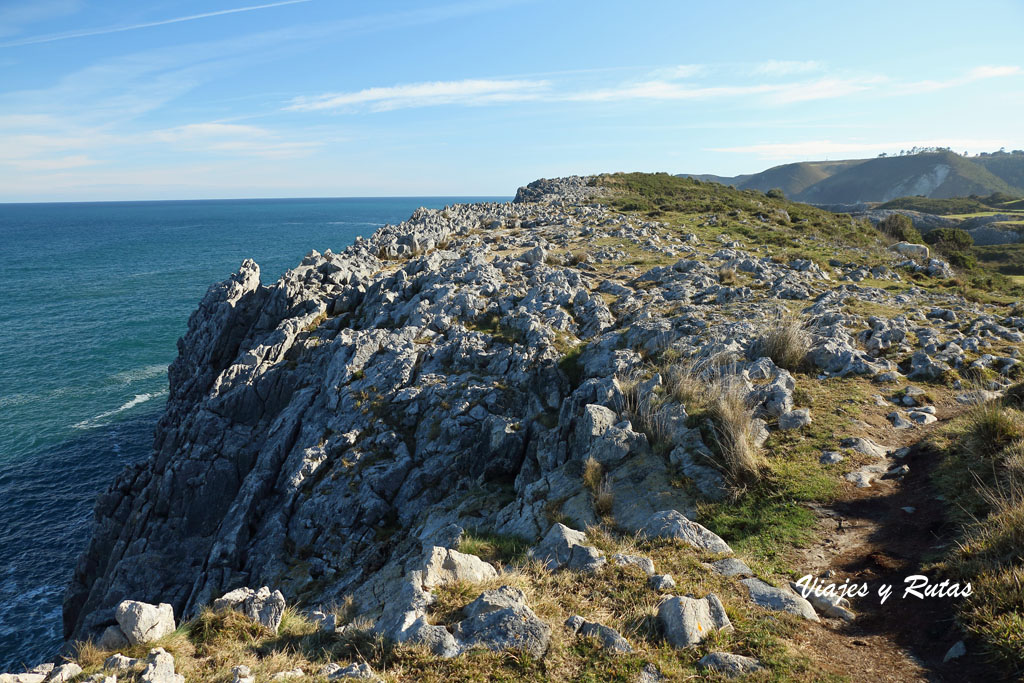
325, 433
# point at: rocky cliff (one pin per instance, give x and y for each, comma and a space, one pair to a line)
325, 433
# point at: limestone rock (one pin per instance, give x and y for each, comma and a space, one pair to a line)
263, 606
778, 599
687, 621
645, 564
118, 663
112, 638
585, 558
650, 674
285, 675
918, 251
829, 605
730, 566
242, 674
143, 623
446, 566
160, 668
672, 524
359, 671
500, 620
27, 677
64, 673
556, 548
958, 650
795, 419
661, 582
729, 664
609, 638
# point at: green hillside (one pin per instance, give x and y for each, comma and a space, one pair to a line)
933, 174
936, 175
1009, 166
795, 178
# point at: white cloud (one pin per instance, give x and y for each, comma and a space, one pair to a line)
816, 149
233, 139
775, 67
978, 73
981, 72
465, 92
673, 73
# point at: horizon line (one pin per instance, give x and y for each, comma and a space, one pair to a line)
243, 199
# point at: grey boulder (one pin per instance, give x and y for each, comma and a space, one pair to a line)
556, 547
160, 668
673, 524
445, 566
779, 600
687, 621
263, 606
501, 620
729, 664
609, 638
142, 623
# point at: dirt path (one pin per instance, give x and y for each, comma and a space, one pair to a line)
882, 535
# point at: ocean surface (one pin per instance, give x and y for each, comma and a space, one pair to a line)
93, 297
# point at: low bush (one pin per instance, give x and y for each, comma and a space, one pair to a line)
900, 228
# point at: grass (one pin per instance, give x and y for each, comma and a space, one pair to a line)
981, 475
785, 340
497, 549
206, 648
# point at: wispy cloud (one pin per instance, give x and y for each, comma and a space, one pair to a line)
978, 73
465, 92
234, 139
775, 67
150, 24
674, 73
816, 149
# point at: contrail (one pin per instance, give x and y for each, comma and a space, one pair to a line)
119, 29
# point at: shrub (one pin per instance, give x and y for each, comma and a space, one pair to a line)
786, 342
775, 193
949, 239
900, 228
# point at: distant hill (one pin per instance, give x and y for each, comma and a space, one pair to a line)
930, 174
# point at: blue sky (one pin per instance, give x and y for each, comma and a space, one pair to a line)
116, 99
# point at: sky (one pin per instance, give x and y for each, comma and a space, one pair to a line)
182, 99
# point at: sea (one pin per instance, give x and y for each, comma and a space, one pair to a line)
93, 297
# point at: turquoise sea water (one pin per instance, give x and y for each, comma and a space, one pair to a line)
92, 300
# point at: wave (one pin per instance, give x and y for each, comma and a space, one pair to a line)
97, 421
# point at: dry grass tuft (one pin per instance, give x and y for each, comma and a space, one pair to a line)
733, 422
600, 490
593, 474
604, 499
785, 341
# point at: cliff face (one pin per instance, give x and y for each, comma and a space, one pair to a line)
450, 372
314, 423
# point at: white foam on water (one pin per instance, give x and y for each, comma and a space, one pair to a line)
98, 420
139, 374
